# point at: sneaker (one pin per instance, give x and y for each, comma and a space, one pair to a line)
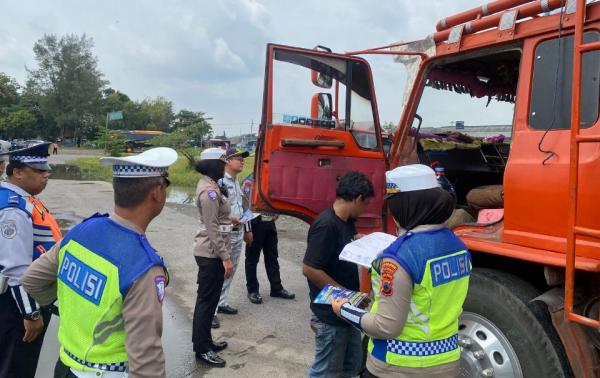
210, 358
255, 298
283, 294
227, 309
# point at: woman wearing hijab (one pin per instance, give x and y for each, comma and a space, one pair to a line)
419, 283
212, 253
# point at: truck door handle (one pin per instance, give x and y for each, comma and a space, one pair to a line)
324, 162
312, 143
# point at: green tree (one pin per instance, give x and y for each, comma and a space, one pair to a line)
193, 124
160, 113
70, 83
9, 92
18, 124
389, 127
114, 101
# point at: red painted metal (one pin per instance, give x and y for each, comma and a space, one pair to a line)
478, 12
528, 10
583, 359
589, 47
573, 229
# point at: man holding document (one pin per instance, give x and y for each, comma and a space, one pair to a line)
338, 350
419, 282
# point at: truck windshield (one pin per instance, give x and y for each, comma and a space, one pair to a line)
350, 109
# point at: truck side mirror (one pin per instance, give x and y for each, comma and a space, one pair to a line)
321, 79
321, 106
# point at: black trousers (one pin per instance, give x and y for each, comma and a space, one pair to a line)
265, 239
18, 359
62, 371
210, 281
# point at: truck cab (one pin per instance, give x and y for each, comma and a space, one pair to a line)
529, 68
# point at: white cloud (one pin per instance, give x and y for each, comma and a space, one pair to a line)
224, 56
206, 54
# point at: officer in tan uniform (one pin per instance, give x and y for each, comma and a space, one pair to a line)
111, 313
212, 251
419, 283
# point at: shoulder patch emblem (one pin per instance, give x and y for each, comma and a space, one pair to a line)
388, 269
160, 287
212, 194
8, 229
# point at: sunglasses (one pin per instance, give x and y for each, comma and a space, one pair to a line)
166, 180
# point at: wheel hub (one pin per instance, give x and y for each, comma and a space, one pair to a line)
485, 351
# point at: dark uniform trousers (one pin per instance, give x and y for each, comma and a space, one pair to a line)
210, 281
18, 359
265, 239
63, 371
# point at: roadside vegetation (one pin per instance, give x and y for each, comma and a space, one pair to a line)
67, 97
181, 174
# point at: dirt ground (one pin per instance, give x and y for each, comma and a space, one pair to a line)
268, 340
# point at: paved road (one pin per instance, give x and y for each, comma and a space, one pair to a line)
268, 340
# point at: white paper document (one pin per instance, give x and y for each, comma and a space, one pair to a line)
248, 216
364, 250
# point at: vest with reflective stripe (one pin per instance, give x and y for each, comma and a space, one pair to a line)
439, 265
99, 260
46, 231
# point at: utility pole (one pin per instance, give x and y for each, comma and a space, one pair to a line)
251, 125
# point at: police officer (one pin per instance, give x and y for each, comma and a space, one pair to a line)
419, 283
234, 164
109, 281
262, 236
27, 230
212, 251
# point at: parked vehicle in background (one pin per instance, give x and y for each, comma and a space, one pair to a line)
536, 64
135, 140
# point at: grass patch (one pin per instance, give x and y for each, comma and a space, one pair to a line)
91, 169
180, 173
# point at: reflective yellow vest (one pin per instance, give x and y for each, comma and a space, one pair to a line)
439, 265
98, 262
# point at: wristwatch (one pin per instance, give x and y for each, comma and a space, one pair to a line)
35, 315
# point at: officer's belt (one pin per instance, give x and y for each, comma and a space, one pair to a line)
225, 228
110, 367
425, 348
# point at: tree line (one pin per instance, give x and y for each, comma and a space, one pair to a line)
66, 96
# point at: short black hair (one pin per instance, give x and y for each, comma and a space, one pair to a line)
354, 184
12, 166
130, 192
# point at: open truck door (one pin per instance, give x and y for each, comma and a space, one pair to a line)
319, 121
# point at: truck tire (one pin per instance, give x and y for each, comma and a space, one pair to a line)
502, 334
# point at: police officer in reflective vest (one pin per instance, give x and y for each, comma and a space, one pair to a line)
419, 283
109, 281
27, 230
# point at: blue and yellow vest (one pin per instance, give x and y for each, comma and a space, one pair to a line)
439, 265
46, 231
98, 261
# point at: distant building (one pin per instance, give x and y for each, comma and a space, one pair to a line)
245, 141
218, 141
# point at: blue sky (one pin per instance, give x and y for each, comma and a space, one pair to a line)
209, 55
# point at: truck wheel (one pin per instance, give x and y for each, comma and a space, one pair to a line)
502, 335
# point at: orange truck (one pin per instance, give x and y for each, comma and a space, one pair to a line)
534, 299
